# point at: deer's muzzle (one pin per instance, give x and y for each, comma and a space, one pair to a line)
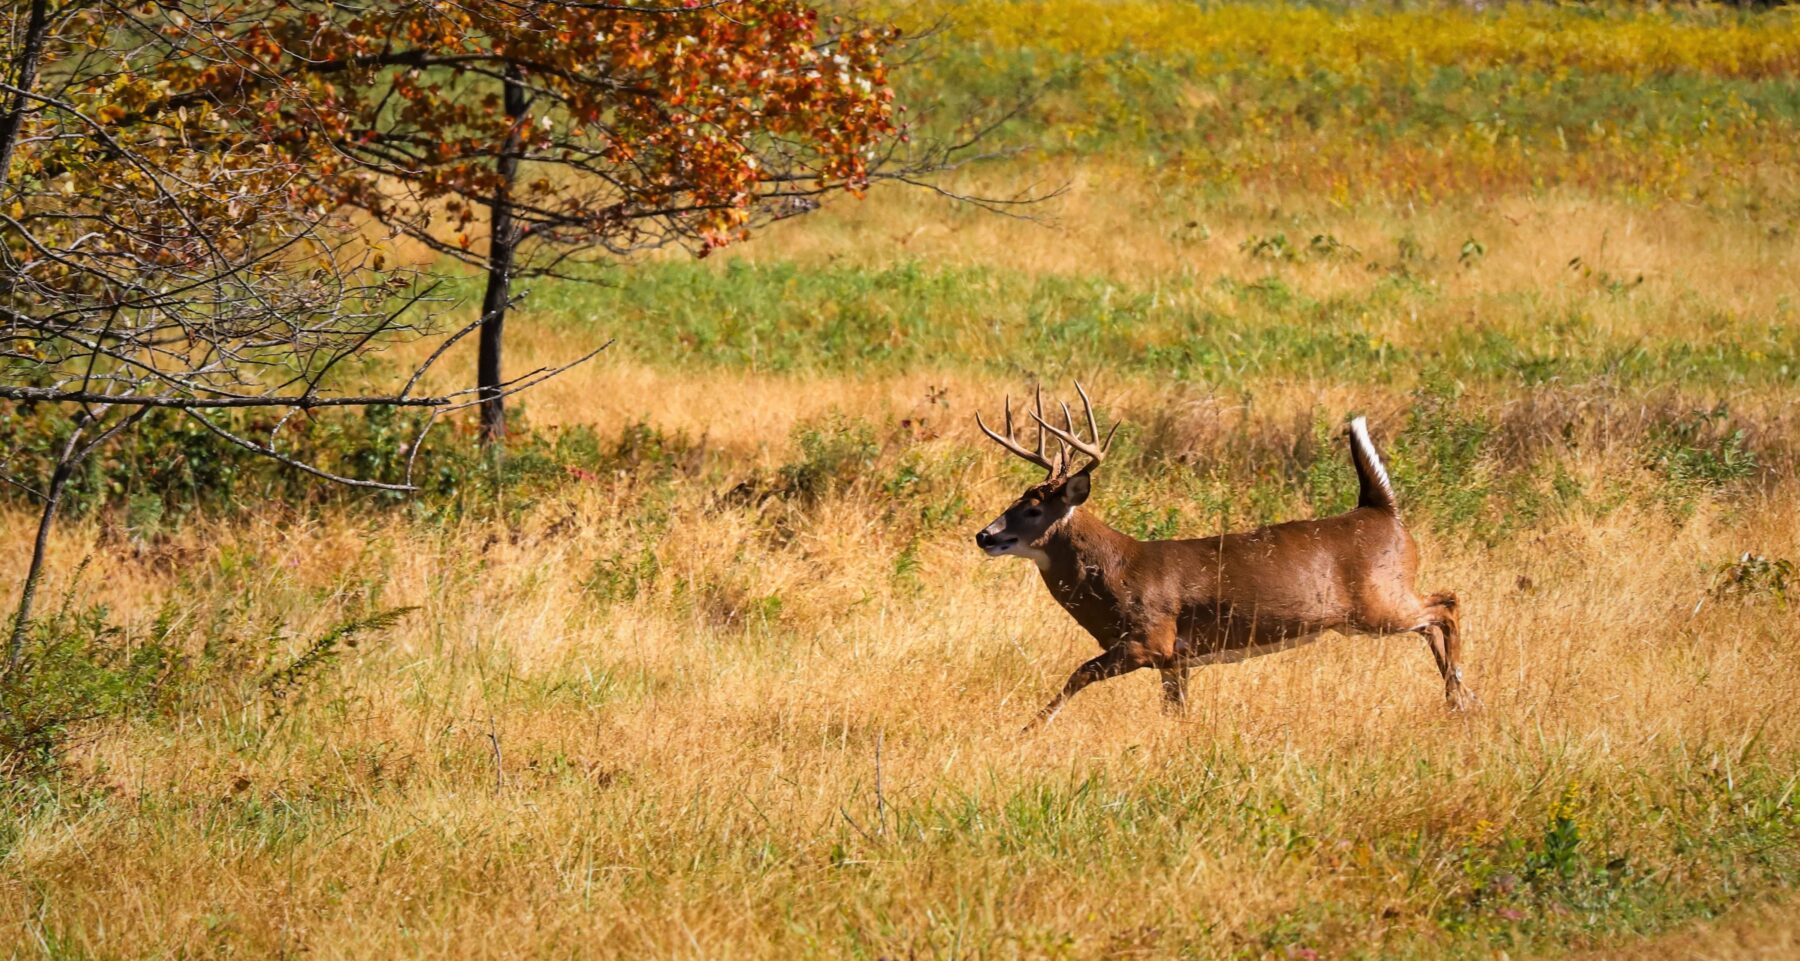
991, 540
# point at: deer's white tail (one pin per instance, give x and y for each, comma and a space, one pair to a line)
1371, 474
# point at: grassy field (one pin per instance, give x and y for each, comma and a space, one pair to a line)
709, 667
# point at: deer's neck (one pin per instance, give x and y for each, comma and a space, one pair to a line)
1081, 558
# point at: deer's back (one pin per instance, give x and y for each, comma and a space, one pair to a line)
1284, 580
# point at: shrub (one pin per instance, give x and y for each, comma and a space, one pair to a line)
79, 670
170, 468
1755, 576
286, 681
1702, 450
834, 453
1441, 462
76, 668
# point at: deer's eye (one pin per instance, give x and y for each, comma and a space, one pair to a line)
1033, 512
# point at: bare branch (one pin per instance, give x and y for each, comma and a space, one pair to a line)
176, 402
299, 465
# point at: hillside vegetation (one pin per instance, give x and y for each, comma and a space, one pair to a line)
707, 666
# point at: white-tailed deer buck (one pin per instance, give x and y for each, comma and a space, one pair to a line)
1176, 605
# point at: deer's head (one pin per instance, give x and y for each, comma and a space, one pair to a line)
1026, 526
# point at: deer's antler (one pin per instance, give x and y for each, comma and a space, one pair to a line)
1071, 438
1051, 467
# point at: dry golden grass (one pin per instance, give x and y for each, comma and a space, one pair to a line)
1756, 933
1130, 224
684, 773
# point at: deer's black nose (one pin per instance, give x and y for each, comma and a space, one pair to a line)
983, 538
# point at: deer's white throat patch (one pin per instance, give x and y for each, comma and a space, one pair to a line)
1042, 558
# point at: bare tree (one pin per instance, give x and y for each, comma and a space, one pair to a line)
162, 259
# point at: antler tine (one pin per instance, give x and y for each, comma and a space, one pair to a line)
1059, 459
1093, 425
1040, 409
1013, 445
1097, 454
1068, 456
1071, 439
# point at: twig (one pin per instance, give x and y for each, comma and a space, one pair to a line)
526, 384
859, 828
880, 799
299, 465
450, 342
499, 767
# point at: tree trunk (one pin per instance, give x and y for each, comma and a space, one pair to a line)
26, 65
503, 242
59, 478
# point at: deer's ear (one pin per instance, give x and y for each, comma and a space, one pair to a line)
1075, 490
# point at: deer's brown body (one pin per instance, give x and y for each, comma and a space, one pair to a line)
1176, 604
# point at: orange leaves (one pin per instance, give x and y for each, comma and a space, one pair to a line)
689, 120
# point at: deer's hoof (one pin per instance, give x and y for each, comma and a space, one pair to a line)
1462, 700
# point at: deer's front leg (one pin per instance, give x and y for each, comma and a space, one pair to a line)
1174, 687
1119, 660
1122, 658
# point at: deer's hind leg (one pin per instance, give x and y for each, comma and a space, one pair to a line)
1433, 617
1443, 631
